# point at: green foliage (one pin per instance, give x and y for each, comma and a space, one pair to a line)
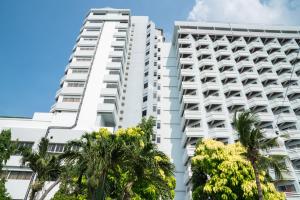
123, 165
254, 141
7, 147
221, 172
3, 194
47, 166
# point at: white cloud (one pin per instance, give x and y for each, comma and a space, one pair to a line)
285, 12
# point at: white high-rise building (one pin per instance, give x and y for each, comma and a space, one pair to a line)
121, 69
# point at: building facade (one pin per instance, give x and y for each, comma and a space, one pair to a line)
121, 69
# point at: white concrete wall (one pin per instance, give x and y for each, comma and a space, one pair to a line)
88, 114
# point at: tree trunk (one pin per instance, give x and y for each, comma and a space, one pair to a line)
126, 194
32, 194
257, 180
49, 189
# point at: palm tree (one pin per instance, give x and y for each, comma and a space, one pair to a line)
253, 139
46, 166
146, 164
95, 155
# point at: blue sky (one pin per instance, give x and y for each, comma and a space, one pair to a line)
37, 36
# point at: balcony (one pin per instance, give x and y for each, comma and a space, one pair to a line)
208, 73
265, 117
203, 52
268, 76
108, 114
215, 116
273, 89
226, 63
184, 41
277, 151
228, 74
289, 46
294, 153
194, 115
65, 106
293, 90
114, 65
238, 43
188, 153
116, 54
220, 43
186, 99
79, 52
85, 33
272, 45
231, 87
248, 75
232, 101
111, 92
278, 102
275, 55
206, 62
216, 133
244, 63
282, 65
83, 42
241, 53
186, 72
295, 104
74, 77
255, 44
202, 42
252, 88
210, 86
286, 118
257, 101
187, 176
70, 91
212, 100
191, 133
185, 50
287, 77
293, 56
76, 64
186, 61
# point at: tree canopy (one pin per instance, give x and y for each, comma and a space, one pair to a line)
121, 165
221, 172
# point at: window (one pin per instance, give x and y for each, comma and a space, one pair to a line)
114, 71
158, 111
22, 144
145, 85
71, 99
154, 108
56, 148
146, 63
21, 175
87, 48
76, 84
154, 95
158, 139
116, 59
144, 113
146, 74
158, 87
158, 125
145, 98
80, 71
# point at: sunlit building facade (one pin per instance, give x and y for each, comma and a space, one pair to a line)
121, 69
